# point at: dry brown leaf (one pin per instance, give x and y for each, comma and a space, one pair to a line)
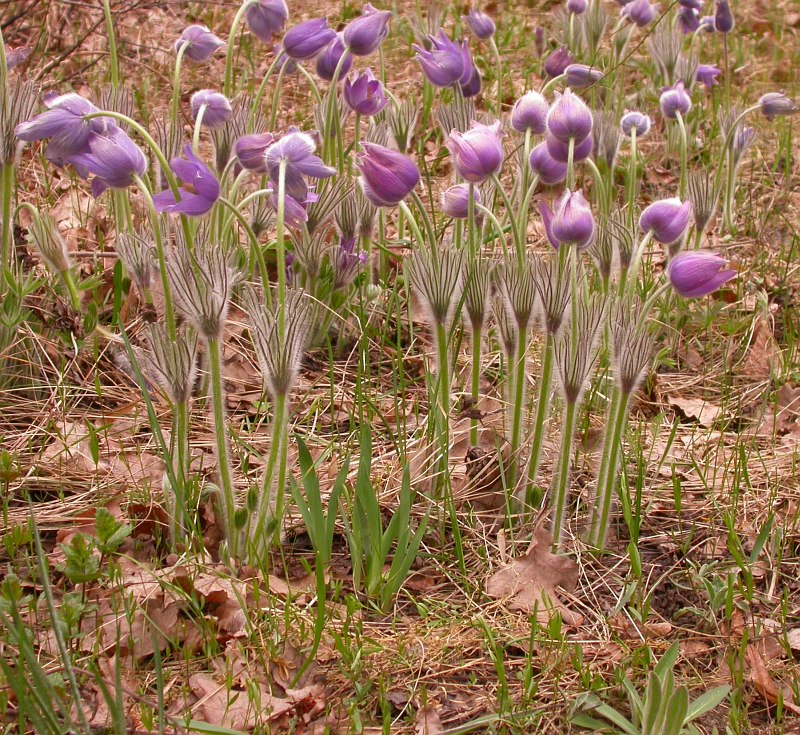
428, 721
530, 582
763, 355
696, 409
763, 682
793, 637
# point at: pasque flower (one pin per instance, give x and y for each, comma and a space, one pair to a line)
470, 81
266, 18
251, 150
17, 56
530, 113
688, 19
364, 94
577, 7
675, 99
635, 121
216, 108
557, 62
723, 17
696, 274
455, 201
329, 59
443, 64
113, 159
772, 104
572, 222
199, 189
667, 219
569, 117
297, 150
640, 12
560, 150
481, 25
548, 169
707, 75
346, 263
387, 177
306, 40
478, 153
199, 42
581, 75
364, 34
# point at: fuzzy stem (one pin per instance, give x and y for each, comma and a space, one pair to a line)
7, 183
443, 407
471, 240
560, 490
518, 405
229, 67
72, 289
180, 446
198, 123
684, 153
263, 87
112, 45
176, 84
632, 182
542, 406
330, 134
571, 165
519, 239
499, 71
280, 247
475, 380
730, 188
267, 504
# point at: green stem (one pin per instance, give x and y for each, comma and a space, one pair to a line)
443, 408
730, 188
477, 336
112, 45
229, 66
684, 153
519, 239
471, 222
176, 84
198, 123
571, 165
280, 247
259, 95
520, 363
499, 71
7, 183
632, 182
542, 406
72, 289
180, 447
560, 490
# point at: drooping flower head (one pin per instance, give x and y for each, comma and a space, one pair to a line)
470, 81
387, 177
216, 108
306, 40
364, 94
572, 222
251, 150
443, 64
346, 263
481, 25
688, 19
569, 117
640, 12
675, 99
478, 153
364, 34
696, 274
723, 17
530, 113
266, 18
548, 169
329, 59
707, 75
296, 151
455, 201
580, 76
667, 219
637, 121
777, 104
557, 62
578, 7
199, 188
113, 159
199, 43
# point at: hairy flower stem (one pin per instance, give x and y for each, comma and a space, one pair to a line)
226, 489
560, 490
730, 188
476, 380
230, 71
331, 135
542, 406
113, 61
471, 239
280, 247
176, 85
442, 424
684, 152
632, 182
519, 237
499, 72
571, 165
8, 189
179, 518
520, 363
198, 125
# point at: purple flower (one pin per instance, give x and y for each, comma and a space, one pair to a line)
217, 110
266, 18
559, 150
443, 65
285, 63
364, 94
641, 12
689, 20
199, 189
113, 159
470, 81
696, 274
635, 121
723, 17
557, 62
548, 169
17, 56
707, 75
200, 43
364, 34
772, 104
297, 150
329, 59
578, 7
572, 223
251, 150
530, 113
539, 41
481, 25
707, 23
667, 219
306, 40
675, 99
569, 117
387, 177
455, 201
346, 263
691, 4
580, 76
478, 153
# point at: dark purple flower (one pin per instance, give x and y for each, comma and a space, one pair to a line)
251, 150
640, 12
455, 201
569, 117
559, 150
297, 149
578, 7
635, 121
329, 59
580, 76
444, 63
539, 41
675, 99
481, 25
387, 177
548, 169
478, 153
346, 263
199, 188
691, 4
530, 113
773, 104
364, 94
696, 274
723, 17
113, 159
266, 18
707, 75
472, 87
707, 23
689, 20
200, 43
217, 110
364, 34
306, 40
17, 56
667, 219
572, 222
557, 62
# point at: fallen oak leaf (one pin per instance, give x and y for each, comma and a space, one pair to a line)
428, 721
696, 409
763, 682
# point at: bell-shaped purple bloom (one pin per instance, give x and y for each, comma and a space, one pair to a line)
723, 17
216, 108
577, 7
696, 274
530, 113
572, 222
707, 24
443, 64
113, 159
477, 153
637, 121
481, 25
560, 150
284, 63
640, 12
387, 177
329, 59
667, 219
772, 104
364, 94
251, 151
688, 19
539, 41
548, 169
569, 117
455, 201
346, 263
199, 42
297, 150
199, 188
557, 62
675, 99
470, 81
581, 76
707, 75
364, 34
306, 40
266, 18
17, 56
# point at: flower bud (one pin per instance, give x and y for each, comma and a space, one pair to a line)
548, 169
443, 64
481, 25
478, 153
635, 121
667, 219
530, 113
777, 104
217, 108
364, 34
329, 59
723, 17
572, 222
251, 151
560, 151
557, 62
455, 201
569, 117
266, 18
696, 274
675, 99
306, 40
387, 177
640, 12
364, 94
200, 43
580, 76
